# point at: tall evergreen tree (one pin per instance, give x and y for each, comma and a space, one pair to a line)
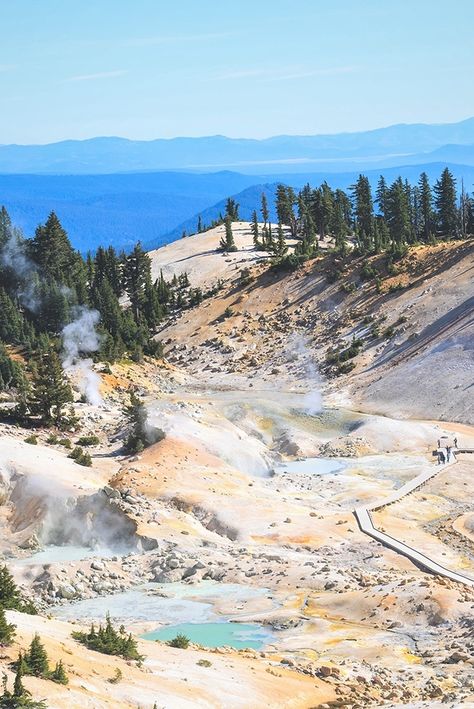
227, 242
285, 202
7, 630
50, 390
137, 272
426, 224
445, 201
363, 211
232, 209
254, 230
36, 658
381, 195
52, 251
264, 210
280, 248
398, 215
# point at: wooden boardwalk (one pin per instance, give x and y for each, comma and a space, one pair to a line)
364, 518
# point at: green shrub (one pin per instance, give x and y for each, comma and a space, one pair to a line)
345, 368
204, 663
367, 272
290, 262
32, 440
59, 675
52, 439
109, 641
117, 676
65, 442
88, 441
375, 330
180, 641
81, 457
335, 356
348, 287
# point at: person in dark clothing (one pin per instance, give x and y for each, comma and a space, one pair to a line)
455, 442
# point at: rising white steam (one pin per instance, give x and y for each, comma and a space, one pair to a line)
80, 338
13, 256
313, 402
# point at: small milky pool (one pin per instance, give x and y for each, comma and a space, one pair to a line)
53, 554
173, 603
315, 466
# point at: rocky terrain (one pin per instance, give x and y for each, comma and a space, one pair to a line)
244, 512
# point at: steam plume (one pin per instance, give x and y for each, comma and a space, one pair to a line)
81, 337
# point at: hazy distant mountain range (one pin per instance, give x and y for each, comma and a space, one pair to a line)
398, 144
117, 191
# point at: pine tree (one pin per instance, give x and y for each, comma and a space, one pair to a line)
21, 697
281, 248
199, 225
339, 229
9, 594
232, 209
50, 391
227, 242
37, 658
426, 226
254, 230
323, 206
398, 216
285, 202
136, 273
19, 691
52, 251
363, 209
59, 674
141, 433
381, 195
5, 227
7, 630
264, 210
12, 323
445, 201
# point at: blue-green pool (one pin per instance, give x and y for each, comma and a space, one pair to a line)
238, 635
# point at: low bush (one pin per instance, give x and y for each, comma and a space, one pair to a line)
180, 641
88, 441
81, 457
109, 641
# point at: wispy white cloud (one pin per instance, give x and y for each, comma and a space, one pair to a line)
98, 75
285, 74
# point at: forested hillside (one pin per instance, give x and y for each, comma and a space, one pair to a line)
57, 307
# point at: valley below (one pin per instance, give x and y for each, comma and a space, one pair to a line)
237, 529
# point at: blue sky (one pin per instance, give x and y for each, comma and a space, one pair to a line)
248, 68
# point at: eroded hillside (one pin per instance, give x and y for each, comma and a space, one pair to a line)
413, 322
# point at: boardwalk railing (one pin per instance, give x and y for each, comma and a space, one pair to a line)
364, 518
